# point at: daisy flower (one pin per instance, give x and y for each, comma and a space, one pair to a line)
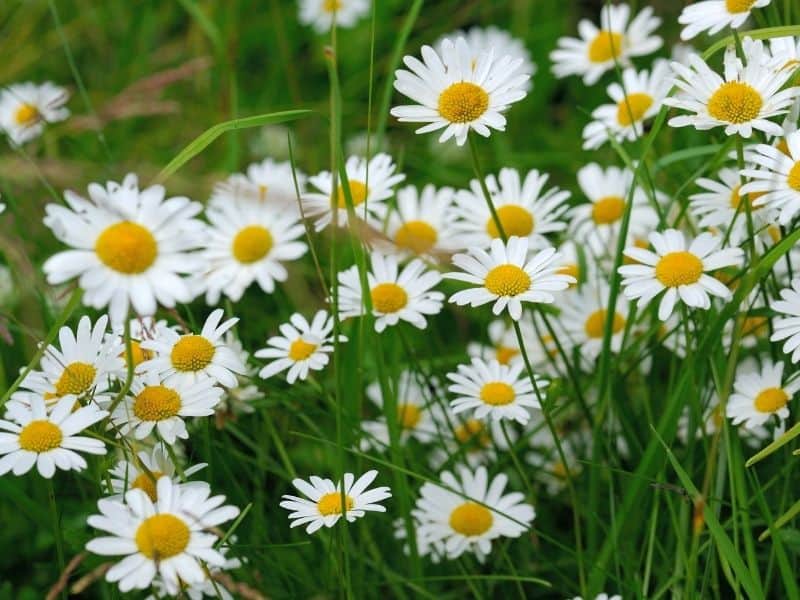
605, 596
757, 395
142, 329
470, 440
128, 246
618, 39
209, 587
744, 100
238, 400
26, 107
495, 391
48, 440
584, 316
466, 513
403, 296
367, 196
144, 471
301, 347
171, 537
322, 504
786, 51
457, 93
507, 277
777, 182
322, 15
268, 183
503, 344
713, 16
420, 226
788, 327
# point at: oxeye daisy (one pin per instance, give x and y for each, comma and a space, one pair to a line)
786, 53
48, 440
322, 504
713, 16
757, 395
370, 183
301, 347
618, 39
468, 512
128, 246
169, 537
679, 269
473, 441
141, 330
323, 14
420, 226
584, 316
604, 596
457, 93
143, 471
396, 295
787, 327
525, 210
268, 183
777, 182
507, 277
25, 108
504, 346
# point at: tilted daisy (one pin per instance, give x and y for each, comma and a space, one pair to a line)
786, 52
584, 316
141, 330
420, 225
129, 246
49, 441
396, 295
678, 269
757, 395
469, 440
269, 183
322, 504
507, 277
25, 109
712, 16
777, 181
787, 327
143, 471
171, 537
457, 93
301, 347
323, 14
504, 346
619, 38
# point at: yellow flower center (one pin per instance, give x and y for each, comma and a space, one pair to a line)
138, 354
156, 403
408, 415
470, 519
572, 270
515, 220
331, 504
472, 431
771, 400
162, 536
262, 192
126, 247
679, 268
783, 147
634, 108
252, 244
559, 470
192, 353
794, 177
736, 198
358, 193
388, 297
76, 379
497, 393
331, 5
507, 280
595, 324
301, 350
606, 46
738, 6
26, 115
40, 436
416, 236
608, 209
147, 484
756, 326
463, 102
504, 354
735, 102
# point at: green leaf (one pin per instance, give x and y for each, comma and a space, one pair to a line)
787, 437
790, 514
756, 34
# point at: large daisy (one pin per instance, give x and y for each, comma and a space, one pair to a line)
25, 109
713, 16
758, 395
777, 181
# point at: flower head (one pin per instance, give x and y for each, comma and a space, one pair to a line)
25, 108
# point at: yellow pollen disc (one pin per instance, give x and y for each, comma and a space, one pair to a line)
388, 297
416, 236
783, 146
40, 436
608, 209
408, 415
756, 326
504, 354
470, 519
331, 5
358, 193
738, 6
571, 269
736, 199
514, 219
26, 115
606, 46
262, 192
252, 244
463, 102
126, 247
147, 484
559, 470
596, 322
774, 233
497, 393
679, 268
771, 400
634, 108
472, 431
301, 350
507, 280
156, 403
76, 379
794, 177
192, 353
138, 354
331, 504
735, 102
162, 536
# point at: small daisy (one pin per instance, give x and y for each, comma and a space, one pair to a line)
605, 596
457, 93
49, 440
786, 51
550, 470
713, 16
420, 226
323, 14
142, 329
468, 512
406, 296
268, 183
301, 347
788, 327
757, 395
504, 346
144, 471
679, 270
777, 182
598, 50
584, 316
25, 108
172, 537
469, 440
324, 503
507, 277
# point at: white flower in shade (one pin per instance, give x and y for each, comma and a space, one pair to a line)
143, 471
370, 183
301, 347
787, 327
757, 395
170, 537
48, 441
507, 277
420, 225
618, 39
128, 246
395, 295
468, 512
524, 208
495, 391
457, 93
268, 183
472, 441
777, 182
25, 108
713, 16
744, 100
584, 317
503, 344
323, 14
190, 357
635, 102
322, 504
605, 596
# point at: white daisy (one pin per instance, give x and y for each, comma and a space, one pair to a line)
141, 330
456, 93
757, 395
713, 16
323, 502
788, 326
323, 14
584, 315
209, 587
777, 182
143, 472
503, 346
129, 246
786, 51
238, 400
25, 108
268, 183
420, 225
472, 441
603, 596
48, 440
